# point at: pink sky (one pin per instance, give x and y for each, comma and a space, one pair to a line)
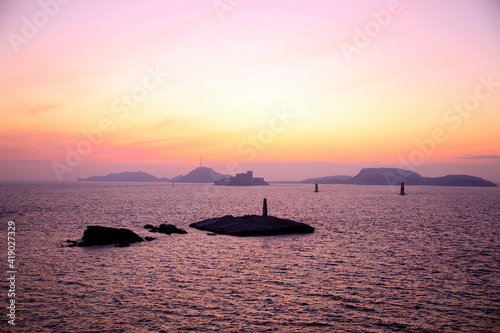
291, 89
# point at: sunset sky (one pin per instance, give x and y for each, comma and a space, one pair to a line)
290, 89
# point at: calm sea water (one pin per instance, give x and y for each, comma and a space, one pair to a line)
378, 262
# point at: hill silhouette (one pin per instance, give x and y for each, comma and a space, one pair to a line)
200, 175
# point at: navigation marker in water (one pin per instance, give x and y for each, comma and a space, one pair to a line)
264, 207
316, 188
402, 192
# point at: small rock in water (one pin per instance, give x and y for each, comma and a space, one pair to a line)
170, 229
165, 229
98, 235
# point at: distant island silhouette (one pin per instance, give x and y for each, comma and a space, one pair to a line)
198, 175
393, 176
367, 176
128, 176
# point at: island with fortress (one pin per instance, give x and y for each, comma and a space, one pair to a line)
242, 179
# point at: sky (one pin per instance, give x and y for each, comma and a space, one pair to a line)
289, 89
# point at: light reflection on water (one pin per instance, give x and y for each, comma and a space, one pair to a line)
378, 262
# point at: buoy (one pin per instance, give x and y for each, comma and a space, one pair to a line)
316, 188
264, 207
402, 192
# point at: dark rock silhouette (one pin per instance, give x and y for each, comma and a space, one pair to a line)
252, 225
165, 229
170, 229
394, 176
98, 235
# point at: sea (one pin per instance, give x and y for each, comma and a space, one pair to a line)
377, 261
